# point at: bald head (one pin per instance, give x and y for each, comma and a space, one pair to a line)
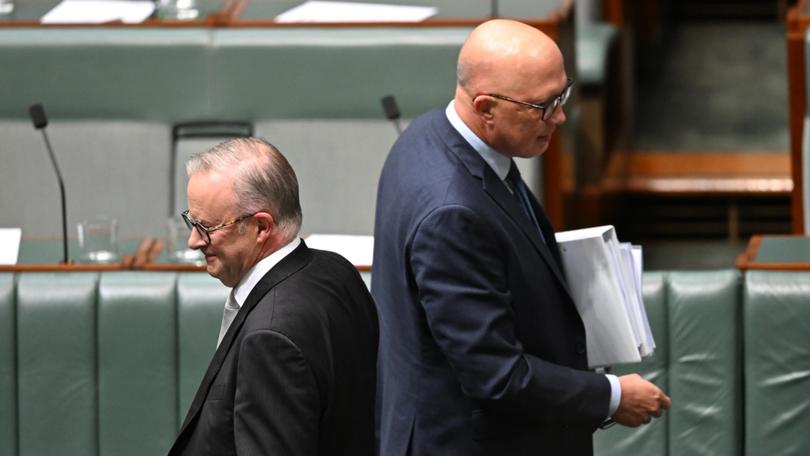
501, 54
504, 58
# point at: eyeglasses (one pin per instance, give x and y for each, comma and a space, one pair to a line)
205, 231
546, 109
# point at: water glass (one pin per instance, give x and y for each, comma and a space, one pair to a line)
98, 240
178, 244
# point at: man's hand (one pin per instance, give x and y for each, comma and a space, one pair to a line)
641, 401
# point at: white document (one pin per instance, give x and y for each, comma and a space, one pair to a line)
98, 12
320, 11
10, 245
359, 250
605, 284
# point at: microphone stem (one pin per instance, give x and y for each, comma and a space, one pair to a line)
61, 194
397, 126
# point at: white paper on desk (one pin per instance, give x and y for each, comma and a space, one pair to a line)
591, 259
359, 250
98, 11
10, 245
321, 11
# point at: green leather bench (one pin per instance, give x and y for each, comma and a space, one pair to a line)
696, 320
102, 363
107, 363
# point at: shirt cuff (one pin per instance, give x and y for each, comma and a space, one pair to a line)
615, 394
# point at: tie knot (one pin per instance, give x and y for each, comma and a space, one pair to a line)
513, 177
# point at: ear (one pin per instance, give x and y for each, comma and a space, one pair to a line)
266, 226
484, 107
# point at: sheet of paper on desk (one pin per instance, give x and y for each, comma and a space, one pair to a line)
98, 12
320, 11
359, 250
10, 245
605, 280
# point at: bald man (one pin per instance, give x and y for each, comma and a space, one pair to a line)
482, 351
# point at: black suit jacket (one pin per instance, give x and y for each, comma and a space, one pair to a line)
482, 350
295, 373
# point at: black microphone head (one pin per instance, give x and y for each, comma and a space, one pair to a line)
390, 107
38, 116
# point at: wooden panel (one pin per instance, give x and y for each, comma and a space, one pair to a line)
699, 172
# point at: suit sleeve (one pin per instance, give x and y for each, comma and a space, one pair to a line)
461, 273
276, 406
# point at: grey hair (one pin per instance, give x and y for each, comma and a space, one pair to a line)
263, 179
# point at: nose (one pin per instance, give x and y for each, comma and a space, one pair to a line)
558, 117
196, 240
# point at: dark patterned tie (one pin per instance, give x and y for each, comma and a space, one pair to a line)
521, 194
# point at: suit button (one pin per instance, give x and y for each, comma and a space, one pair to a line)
580, 349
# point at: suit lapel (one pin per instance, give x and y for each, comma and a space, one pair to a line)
496, 190
293, 262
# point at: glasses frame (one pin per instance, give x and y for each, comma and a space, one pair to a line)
546, 109
205, 231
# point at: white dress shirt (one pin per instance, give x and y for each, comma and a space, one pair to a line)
240, 292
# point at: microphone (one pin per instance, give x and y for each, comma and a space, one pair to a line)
391, 110
493, 10
40, 121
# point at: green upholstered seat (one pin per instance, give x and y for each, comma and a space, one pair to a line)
705, 370
777, 362
651, 439
97, 364
137, 363
322, 73
105, 72
8, 372
56, 363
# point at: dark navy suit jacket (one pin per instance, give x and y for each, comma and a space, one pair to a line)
482, 350
294, 375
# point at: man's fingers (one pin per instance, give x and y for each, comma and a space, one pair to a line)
665, 401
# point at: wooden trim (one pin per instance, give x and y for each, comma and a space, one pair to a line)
746, 258
698, 172
746, 261
72, 267
613, 12
796, 102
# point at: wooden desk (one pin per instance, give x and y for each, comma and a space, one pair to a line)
41, 255
776, 253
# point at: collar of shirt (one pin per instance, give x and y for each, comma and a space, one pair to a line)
241, 291
497, 161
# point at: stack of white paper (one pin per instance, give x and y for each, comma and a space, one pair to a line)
329, 11
604, 277
99, 11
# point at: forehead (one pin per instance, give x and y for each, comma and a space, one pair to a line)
210, 195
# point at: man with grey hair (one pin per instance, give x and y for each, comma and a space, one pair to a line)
294, 370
